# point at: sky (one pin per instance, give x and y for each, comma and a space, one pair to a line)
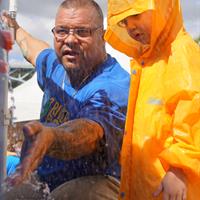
37, 17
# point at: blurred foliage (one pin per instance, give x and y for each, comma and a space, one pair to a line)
198, 40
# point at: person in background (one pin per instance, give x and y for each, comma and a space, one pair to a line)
12, 161
76, 144
160, 156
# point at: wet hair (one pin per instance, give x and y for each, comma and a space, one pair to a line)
84, 3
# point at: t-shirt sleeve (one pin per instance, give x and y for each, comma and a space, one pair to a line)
44, 66
111, 117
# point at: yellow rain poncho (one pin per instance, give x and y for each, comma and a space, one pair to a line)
163, 117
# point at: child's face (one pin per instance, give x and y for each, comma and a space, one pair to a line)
139, 26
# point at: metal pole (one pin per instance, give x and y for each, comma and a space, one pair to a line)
3, 115
5, 46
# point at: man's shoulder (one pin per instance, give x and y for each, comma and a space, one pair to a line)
47, 54
112, 79
47, 58
113, 66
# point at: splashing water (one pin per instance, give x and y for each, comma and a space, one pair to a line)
31, 187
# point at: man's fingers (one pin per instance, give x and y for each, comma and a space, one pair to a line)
34, 154
28, 165
32, 128
30, 131
34, 149
16, 178
24, 170
25, 146
5, 16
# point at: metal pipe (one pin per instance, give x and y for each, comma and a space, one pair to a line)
5, 46
3, 115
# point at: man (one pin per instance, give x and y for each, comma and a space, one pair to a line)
160, 153
85, 93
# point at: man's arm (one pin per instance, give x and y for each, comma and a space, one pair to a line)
76, 138
72, 140
29, 45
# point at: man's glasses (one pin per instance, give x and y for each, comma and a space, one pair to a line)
61, 32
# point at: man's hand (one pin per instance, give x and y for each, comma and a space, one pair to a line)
10, 22
71, 140
38, 139
29, 45
173, 185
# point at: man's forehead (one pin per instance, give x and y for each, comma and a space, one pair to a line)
84, 12
80, 15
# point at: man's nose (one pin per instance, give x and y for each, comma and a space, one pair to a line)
71, 39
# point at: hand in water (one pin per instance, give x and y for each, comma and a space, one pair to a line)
38, 139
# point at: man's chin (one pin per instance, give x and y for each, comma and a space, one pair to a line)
70, 66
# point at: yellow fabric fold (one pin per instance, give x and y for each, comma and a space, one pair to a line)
163, 117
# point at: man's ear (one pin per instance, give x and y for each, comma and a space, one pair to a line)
103, 33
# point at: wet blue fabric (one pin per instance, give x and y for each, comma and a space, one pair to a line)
102, 98
11, 164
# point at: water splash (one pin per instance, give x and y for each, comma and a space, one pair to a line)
31, 187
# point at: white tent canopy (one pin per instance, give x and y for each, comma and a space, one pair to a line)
27, 100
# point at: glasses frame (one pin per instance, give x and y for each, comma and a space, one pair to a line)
74, 31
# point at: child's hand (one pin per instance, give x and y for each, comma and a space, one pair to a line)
173, 185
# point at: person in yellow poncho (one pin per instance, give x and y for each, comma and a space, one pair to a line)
160, 156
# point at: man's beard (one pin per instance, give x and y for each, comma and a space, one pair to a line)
78, 74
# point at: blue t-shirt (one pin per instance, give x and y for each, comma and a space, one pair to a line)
103, 98
11, 164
